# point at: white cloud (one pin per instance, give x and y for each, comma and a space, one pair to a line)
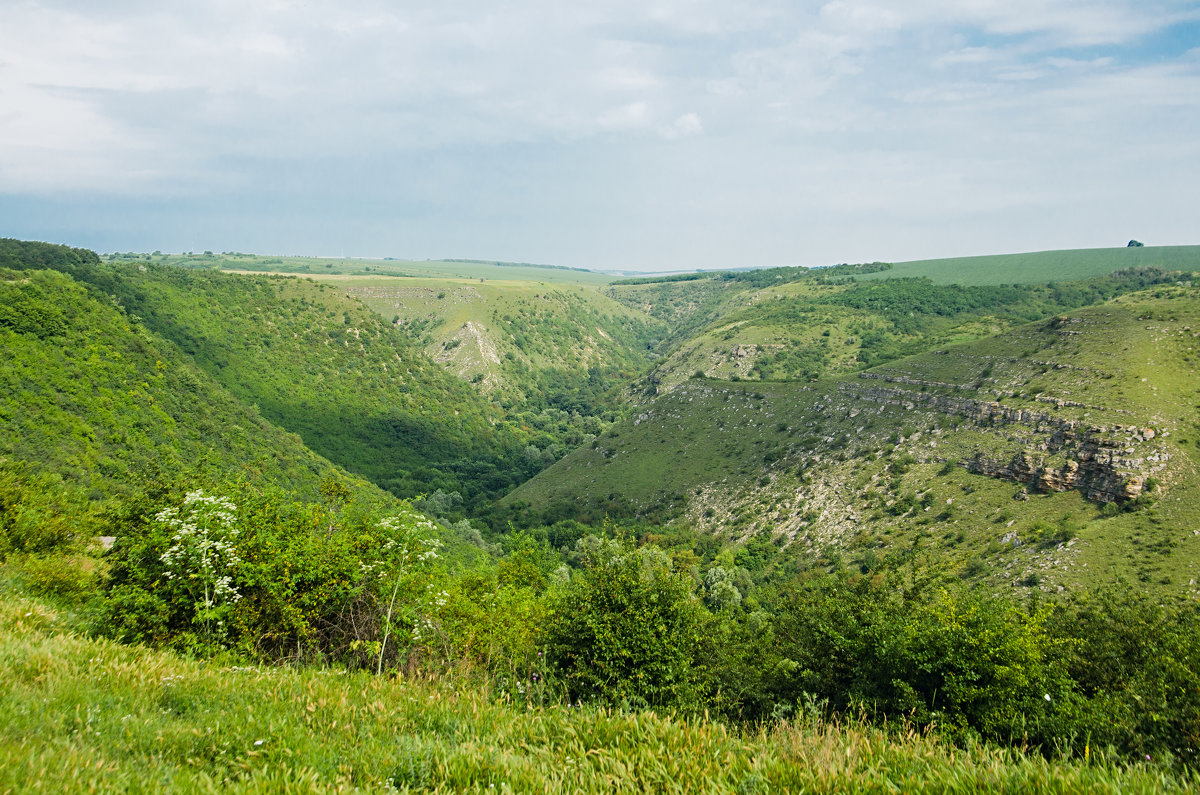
890, 107
684, 126
967, 55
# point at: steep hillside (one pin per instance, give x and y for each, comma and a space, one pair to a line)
1030, 457
89, 393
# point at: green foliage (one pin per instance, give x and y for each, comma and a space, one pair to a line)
117, 373
357, 392
82, 714
1135, 657
26, 309
104, 401
927, 650
30, 255
66, 578
493, 627
627, 632
273, 578
39, 514
916, 310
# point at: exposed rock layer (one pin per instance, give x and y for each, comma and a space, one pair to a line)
1106, 463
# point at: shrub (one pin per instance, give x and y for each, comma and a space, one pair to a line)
1134, 657
72, 578
925, 650
494, 627
627, 631
39, 513
277, 579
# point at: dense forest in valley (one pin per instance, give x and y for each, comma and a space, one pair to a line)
711, 532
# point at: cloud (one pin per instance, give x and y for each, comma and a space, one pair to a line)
684, 126
476, 117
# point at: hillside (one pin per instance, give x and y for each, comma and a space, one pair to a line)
1017, 456
792, 324
773, 552
527, 344
91, 394
1042, 266
321, 365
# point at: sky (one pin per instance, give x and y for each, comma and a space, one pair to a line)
630, 134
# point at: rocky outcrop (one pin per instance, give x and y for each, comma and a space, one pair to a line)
1101, 478
1106, 463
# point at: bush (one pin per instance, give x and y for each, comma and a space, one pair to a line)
71, 578
1134, 658
276, 579
627, 632
927, 651
39, 513
493, 627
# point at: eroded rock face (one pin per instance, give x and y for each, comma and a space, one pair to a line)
1101, 478
1107, 464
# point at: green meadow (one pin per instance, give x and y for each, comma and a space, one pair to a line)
85, 715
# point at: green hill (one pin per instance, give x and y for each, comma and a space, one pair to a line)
1045, 266
527, 344
322, 365
91, 394
800, 324
1019, 456
846, 553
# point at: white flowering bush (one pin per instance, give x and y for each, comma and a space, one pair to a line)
254, 570
402, 572
203, 556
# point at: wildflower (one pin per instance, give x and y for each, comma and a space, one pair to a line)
1047, 696
257, 743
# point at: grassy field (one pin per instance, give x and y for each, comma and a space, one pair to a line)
1044, 266
473, 270
83, 715
1024, 268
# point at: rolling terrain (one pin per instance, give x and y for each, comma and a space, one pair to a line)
798, 325
309, 360
1010, 455
523, 343
1041, 266
786, 495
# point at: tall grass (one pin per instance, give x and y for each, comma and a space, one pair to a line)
78, 714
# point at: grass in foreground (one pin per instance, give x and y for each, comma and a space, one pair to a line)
80, 714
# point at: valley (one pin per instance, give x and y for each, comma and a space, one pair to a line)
961, 495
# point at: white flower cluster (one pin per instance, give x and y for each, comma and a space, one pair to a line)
407, 543
202, 553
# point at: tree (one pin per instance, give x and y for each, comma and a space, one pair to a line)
628, 631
